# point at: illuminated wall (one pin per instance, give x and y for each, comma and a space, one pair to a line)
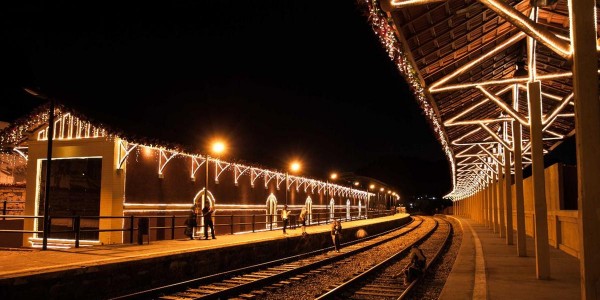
151, 180
174, 191
111, 186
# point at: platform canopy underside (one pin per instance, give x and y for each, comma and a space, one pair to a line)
464, 54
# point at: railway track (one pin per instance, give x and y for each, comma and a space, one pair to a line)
385, 280
256, 279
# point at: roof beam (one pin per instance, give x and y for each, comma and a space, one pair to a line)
476, 122
393, 5
531, 28
434, 89
549, 119
517, 37
509, 110
489, 153
495, 137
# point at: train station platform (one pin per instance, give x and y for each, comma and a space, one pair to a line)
100, 272
487, 268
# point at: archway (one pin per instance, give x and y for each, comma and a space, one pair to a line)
308, 205
271, 217
199, 203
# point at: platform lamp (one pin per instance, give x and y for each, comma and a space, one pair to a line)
295, 166
382, 190
216, 148
48, 162
357, 186
333, 176
371, 187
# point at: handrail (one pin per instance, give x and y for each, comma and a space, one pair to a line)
258, 222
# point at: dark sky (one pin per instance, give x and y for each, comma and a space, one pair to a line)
278, 79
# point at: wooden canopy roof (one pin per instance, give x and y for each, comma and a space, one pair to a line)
462, 55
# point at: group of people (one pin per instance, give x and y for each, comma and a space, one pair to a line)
336, 225
412, 271
285, 213
191, 222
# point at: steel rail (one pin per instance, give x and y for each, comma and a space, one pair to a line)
215, 278
340, 290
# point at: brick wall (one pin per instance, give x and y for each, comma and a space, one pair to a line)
15, 200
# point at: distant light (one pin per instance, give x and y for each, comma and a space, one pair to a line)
295, 166
372, 186
333, 176
356, 183
381, 189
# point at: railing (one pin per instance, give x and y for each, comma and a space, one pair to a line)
261, 222
9, 211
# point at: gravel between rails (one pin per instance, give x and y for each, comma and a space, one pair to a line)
432, 284
314, 285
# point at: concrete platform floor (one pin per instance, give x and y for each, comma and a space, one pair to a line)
29, 262
487, 268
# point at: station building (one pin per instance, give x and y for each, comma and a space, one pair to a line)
97, 172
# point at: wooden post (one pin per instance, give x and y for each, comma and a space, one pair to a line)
500, 198
587, 123
489, 203
519, 199
542, 255
494, 205
484, 206
508, 198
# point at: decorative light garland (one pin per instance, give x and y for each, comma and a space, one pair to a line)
19, 131
382, 27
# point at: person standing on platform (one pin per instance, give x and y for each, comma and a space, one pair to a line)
336, 233
191, 224
302, 217
284, 216
207, 212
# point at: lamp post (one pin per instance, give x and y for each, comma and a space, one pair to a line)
48, 165
294, 167
381, 189
332, 176
217, 148
371, 187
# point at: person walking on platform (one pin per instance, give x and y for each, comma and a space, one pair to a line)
191, 224
336, 234
284, 216
302, 217
207, 212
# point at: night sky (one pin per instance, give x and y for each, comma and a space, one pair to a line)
277, 79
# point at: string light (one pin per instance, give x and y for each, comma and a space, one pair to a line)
381, 24
75, 126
